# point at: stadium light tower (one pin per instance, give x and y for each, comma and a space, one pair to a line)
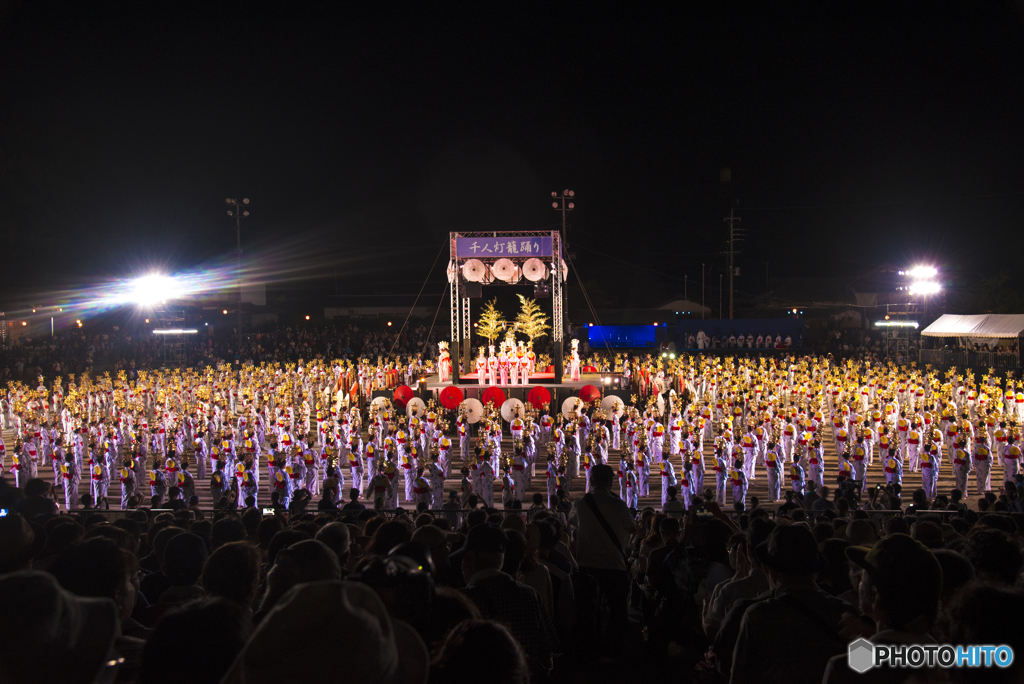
239, 212
922, 281
564, 203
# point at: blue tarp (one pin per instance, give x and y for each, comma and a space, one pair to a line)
621, 335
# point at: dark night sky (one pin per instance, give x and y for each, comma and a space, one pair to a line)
858, 133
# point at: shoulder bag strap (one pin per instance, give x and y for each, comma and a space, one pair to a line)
589, 500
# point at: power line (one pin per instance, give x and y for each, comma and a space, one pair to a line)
399, 335
883, 204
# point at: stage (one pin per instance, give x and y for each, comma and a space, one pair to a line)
472, 388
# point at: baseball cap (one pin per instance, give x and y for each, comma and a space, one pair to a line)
432, 536
790, 548
899, 562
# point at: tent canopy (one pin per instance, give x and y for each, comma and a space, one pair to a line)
983, 325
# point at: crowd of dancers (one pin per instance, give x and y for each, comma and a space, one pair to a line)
707, 427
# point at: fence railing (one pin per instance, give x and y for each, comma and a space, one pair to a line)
969, 359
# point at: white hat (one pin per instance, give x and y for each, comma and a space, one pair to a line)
317, 618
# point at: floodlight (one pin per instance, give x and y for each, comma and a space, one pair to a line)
923, 272
925, 287
149, 290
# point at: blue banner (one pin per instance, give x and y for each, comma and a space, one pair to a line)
508, 247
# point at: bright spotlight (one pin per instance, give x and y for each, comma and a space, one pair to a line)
149, 290
923, 272
925, 287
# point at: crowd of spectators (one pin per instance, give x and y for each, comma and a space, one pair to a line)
80, 351
587, 592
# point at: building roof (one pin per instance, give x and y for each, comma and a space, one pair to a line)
983, 325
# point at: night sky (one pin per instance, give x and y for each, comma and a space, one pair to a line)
857, 133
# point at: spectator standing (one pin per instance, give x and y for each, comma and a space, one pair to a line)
603, 526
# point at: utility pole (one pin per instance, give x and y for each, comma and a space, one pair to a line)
239, 213
735, 235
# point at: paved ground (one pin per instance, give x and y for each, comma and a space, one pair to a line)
758, 488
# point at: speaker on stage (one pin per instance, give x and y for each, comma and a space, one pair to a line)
623, 394
472, 290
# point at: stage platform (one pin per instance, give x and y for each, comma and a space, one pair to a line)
472, 388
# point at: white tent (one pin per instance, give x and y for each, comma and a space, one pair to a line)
983, 325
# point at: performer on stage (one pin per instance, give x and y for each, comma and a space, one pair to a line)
574, 362
444, 363
503, 364
492, 366
481, 368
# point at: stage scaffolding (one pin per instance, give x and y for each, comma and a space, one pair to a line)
461, 325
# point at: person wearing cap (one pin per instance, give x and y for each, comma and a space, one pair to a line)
900, 588
500, 597
51, 635
438, 542
766, 650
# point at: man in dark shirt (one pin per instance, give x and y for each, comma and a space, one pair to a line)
823, 502
37, 501
790, 504
670, 533
174, 501
353, 504
766, 650
502, 598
